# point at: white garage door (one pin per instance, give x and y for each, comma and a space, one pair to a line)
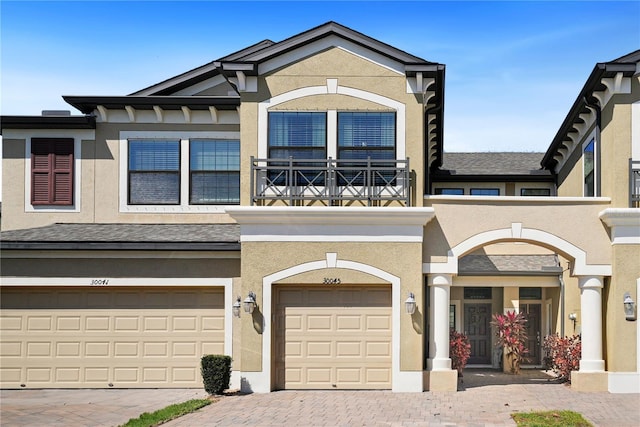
332, 338
108, 337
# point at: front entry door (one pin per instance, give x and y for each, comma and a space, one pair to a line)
534, 314
476, 327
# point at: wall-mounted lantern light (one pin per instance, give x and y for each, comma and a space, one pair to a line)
236, 307
410, 303
629, 307
250, 302
573, 317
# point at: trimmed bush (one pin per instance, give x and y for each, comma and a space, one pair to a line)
216, 373
459, 350
562, 355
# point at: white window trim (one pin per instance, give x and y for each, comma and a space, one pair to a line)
77, 137
183, 137
332, 87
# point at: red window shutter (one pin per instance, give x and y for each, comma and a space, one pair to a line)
52, 171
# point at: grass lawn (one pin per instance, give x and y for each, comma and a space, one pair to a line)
550, 419
167, 414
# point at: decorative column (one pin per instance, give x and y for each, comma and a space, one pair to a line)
439, 290
440, 376
591, 376
591, 316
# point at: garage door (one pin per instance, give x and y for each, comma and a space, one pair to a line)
108, 337
332, 338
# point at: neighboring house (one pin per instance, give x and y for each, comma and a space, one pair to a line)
307, 180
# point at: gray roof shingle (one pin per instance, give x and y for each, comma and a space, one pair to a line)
125, 236
508, 264
499, 163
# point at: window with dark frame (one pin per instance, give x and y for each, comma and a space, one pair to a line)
589, 169
154, 172
52, 171
535, 192
298, 135
485, 192
367, 135
477, 293
214, 168
449, 191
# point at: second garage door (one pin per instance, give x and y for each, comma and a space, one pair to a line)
332, 338
108, 337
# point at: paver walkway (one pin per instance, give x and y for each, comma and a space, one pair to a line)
486, 398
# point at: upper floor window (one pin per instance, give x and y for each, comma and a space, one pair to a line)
297, 135
214, 171
535, 192
589, 169
363, 135
485, 192
449, 191
52, 171
154, 172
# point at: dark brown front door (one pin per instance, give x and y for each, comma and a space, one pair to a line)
476, 327
533, 313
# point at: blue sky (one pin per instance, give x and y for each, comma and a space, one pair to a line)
513, 68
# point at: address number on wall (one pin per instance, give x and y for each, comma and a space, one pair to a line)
331, 281
99, 282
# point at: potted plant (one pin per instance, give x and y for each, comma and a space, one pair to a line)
459, 350
511, 333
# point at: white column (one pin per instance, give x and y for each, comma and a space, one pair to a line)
439, 289
591, 316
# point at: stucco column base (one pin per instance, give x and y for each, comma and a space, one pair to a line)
441, 380
589, 381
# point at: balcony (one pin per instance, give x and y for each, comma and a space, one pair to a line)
330, 182
634, 183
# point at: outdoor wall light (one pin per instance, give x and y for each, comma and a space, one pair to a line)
250, 302
573, 316
410, 303
236, 307
629, 307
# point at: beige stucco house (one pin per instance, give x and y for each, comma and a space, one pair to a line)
307, 181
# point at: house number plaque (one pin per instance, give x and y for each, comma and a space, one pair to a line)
331, 281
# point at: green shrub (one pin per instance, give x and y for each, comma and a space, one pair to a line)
216, 373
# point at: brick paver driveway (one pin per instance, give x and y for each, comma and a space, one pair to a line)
485, 399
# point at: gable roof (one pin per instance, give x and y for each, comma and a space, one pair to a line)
89, 236
248, 59
626, 64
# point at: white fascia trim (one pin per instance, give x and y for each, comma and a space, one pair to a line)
115, 281
331, 233
518, 233
624, 382
525, 200
308, 215
183, 137
78, 137
624, 224
260, 382
325, 43
263, 112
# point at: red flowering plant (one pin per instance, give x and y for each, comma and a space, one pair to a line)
562, 355
459, 350
511, 333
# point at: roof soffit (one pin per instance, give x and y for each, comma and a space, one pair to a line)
605, 80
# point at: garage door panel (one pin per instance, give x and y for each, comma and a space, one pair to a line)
329, 338
106, 339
